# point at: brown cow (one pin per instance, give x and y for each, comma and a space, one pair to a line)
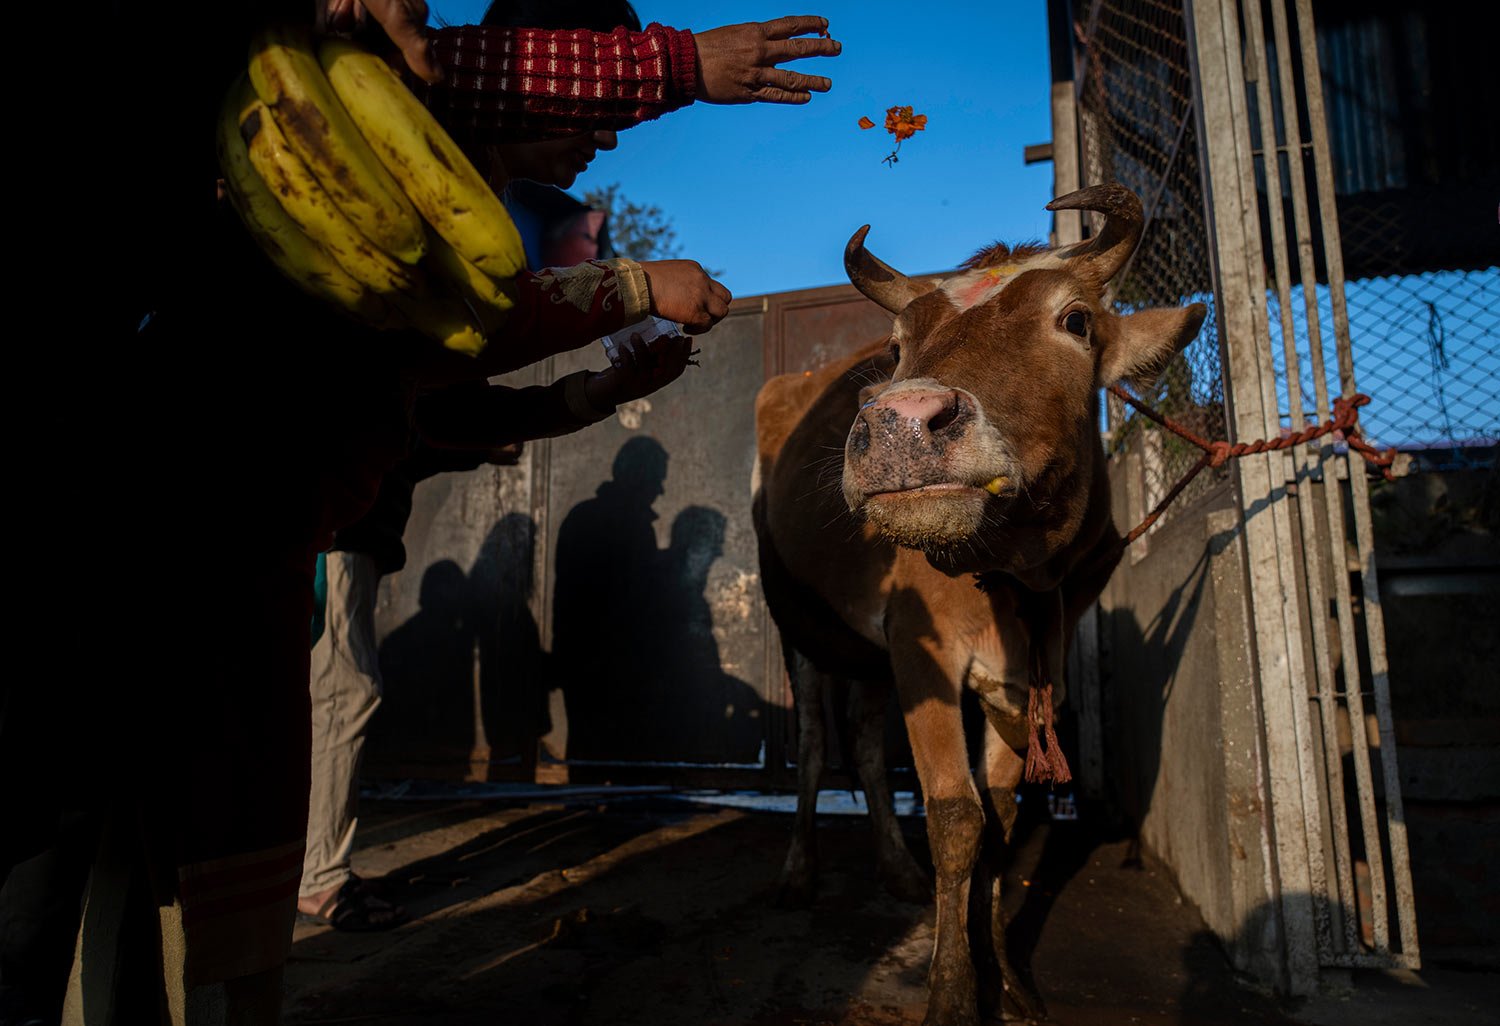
973, 458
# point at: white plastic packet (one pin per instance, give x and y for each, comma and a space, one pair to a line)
633, 338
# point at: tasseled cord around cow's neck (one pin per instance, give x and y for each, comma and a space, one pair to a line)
1049, 766
1045, 762
1043, 765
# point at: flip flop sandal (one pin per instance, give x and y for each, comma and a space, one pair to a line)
353, 909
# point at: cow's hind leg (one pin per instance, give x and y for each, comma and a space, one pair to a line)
1003, 988
868, 702
799, 875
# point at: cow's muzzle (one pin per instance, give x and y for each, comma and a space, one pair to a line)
922, 465
904, 438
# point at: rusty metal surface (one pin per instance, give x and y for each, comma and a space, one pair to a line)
813, 327
595, 612
654, 619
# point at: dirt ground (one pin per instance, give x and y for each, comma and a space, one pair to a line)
656, 911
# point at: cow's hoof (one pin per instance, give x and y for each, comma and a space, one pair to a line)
1013, 1012
951, 1017
796, 890
1021, 1005
1006, 996
904, 879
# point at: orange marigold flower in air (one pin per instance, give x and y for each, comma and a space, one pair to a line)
903, 124
900, 122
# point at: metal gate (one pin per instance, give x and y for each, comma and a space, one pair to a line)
1213, 111
595, 614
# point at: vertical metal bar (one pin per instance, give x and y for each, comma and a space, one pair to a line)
1068, 229
1090, 705
1240, 289
1065, 156
1067, 224
541, 609
1359, 489
1328, 465
1333, 499
1312, 796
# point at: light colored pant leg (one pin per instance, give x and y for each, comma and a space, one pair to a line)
346, 691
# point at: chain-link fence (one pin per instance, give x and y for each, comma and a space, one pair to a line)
1426, 338
1138, 128
1415, 193
1427, 351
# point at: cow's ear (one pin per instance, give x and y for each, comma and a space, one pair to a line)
1141, 344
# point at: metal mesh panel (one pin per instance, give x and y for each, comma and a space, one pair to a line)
1139, 129
1427, 351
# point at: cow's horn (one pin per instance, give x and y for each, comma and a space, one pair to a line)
876, 279
1105, 253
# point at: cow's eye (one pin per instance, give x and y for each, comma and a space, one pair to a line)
1077, 323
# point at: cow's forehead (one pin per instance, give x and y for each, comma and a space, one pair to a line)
971, 288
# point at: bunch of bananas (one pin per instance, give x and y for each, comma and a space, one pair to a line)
356, 194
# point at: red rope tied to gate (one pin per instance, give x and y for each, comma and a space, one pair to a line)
1215, 454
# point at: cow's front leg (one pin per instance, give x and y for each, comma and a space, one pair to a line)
929, 691
999, 774
954, 826
799, 874
899, 872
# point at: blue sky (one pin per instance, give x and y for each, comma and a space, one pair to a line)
770, 194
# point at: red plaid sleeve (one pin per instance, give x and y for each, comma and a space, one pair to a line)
505, 84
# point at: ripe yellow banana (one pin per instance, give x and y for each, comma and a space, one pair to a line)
439, 179
308, 203
489, 299
284, 70
293, 253
445, 319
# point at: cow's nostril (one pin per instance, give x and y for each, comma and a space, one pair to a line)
946, 415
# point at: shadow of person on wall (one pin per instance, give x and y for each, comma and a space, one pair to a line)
428, 668
702, 713
512, 671
604, 640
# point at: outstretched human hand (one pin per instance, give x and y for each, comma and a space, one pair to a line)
737, 63
682, 291
644, 370
404, 21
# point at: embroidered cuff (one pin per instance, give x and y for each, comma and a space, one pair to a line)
575, 394
635, 292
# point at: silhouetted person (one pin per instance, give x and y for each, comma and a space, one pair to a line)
428, 667
512, 674
601, 637
703, 713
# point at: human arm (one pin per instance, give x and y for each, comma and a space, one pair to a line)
404, 23
504, 83
561, 309
473, 416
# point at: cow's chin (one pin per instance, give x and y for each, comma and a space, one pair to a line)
935, 518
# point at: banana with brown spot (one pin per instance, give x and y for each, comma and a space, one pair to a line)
297, 256
309, 205
285, 72
438, 178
